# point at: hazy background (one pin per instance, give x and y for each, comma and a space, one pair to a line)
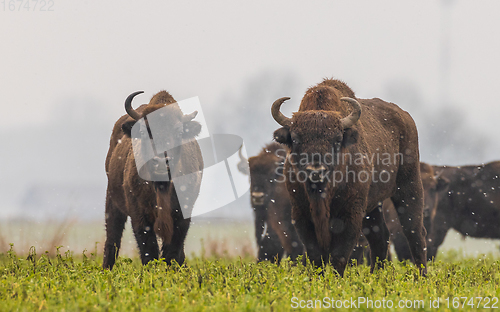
64, 76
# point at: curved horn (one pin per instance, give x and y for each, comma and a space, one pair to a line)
243, 164
438, 174
352, 119
242, 158
189, 117
277, 115
128, 106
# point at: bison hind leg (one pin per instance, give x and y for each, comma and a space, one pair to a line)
401, 246
377, 234
115, 223
408, 201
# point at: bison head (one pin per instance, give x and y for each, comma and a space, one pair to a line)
265, 171
160, 134
316, 137
433, 186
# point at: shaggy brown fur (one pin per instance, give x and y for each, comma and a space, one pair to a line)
152, 206
329, 216
274, 231
471, 206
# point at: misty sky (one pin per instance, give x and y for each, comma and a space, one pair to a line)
64, 74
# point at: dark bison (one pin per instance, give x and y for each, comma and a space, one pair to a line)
153, 205
471, 206
274, 231
342, 166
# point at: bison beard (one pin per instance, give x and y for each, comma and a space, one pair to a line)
153, 207
329, 217
164, 224
320, 214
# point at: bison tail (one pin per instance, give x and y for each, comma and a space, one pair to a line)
320, 216
164, 224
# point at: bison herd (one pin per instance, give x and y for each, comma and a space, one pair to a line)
343, 177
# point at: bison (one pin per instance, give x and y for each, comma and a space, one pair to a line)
347, 156
274, 231
148, 194
471, 206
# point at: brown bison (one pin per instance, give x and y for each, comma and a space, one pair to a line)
150, 196
346, 157
274, 231
471, 206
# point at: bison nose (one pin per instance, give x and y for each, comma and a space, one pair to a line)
160, 164
258, 198
157, 159
316, 173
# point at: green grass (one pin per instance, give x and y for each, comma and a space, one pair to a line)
77, 282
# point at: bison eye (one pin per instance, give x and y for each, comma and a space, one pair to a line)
295, 139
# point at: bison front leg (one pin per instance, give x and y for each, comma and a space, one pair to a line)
297, 247
115, 223
438, 230
377, 234
409, 205
305, 231
268, 243
358, 251
146, 239
175, 249
345, 234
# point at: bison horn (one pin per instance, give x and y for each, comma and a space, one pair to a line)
352, 119
242, 158
277, 115
128, 106
243, 164
189, 117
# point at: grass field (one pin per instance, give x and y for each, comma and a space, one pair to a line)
221, 275
76, 282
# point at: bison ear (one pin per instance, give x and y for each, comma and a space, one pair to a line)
442, 184
282, 135
244, 166
350, 137
191, 129
127, 128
